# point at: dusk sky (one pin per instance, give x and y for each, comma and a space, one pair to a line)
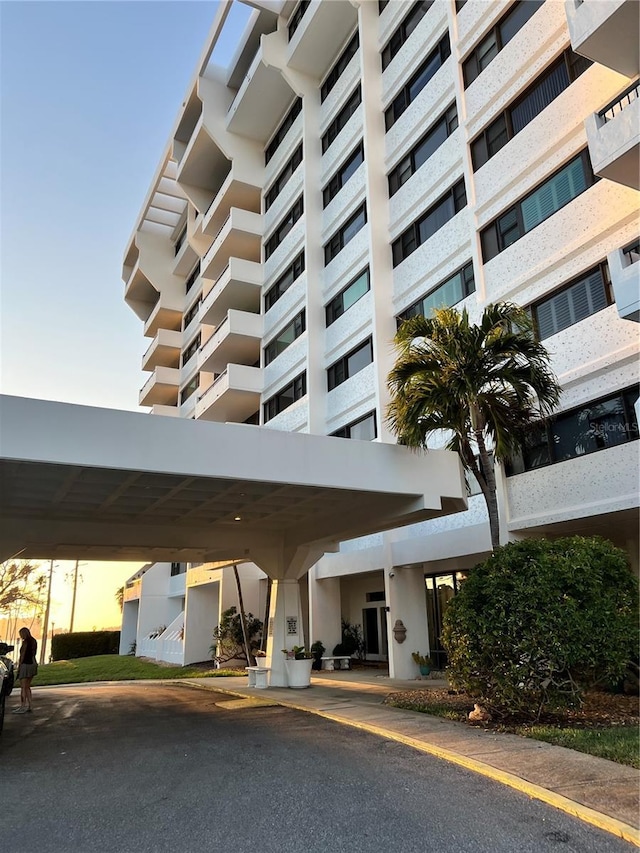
90, 92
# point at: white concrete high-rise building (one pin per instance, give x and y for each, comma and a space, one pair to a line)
361, 161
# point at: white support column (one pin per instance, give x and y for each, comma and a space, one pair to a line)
325, 610
285, 628
405, 593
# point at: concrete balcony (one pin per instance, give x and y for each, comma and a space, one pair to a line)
239, 237
624, 266
165, 315
202, 167
132, 593
232, 193
165, 411
323, 26
234, 396
177, 585
613, 135
262, 97
164, 350
161, 387
139, 294
576, 489
239, 287
237, 340
606, 31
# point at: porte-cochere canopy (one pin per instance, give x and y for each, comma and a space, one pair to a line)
80, 482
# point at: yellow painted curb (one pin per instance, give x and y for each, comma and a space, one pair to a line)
591, 816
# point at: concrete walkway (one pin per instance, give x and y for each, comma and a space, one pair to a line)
595, 790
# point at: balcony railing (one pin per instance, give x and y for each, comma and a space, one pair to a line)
209, 390
621, 101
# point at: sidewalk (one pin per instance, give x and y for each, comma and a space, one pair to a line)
595, 790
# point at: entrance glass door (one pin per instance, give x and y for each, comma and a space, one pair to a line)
440, 591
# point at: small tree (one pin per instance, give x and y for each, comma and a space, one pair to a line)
22, 584
541, 621
482, 385
119, 596
228, 637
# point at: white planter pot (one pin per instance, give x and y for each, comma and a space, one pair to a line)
298, 673
261, 662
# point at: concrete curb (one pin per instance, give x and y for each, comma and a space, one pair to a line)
591, 816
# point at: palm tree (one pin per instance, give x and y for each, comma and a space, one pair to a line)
482, 384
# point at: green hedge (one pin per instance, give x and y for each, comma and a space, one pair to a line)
84, 644
541, 621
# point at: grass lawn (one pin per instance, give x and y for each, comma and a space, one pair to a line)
618, 743
117, 668
606, 726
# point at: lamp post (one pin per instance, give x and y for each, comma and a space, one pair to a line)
73, 599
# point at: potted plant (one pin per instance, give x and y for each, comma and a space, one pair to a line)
260, 656
298, 661
424, 662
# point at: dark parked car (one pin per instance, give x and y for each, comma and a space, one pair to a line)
5, 648
7, 678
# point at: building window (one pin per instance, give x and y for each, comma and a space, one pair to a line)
182, 236
342, 175
290, 219
423, 149
350, 364
347, 297
596, 426
416, 84
191, 350
286, 337
342, 118
497, 38
408, 24
298, 15
192, 277
282, 131
340, 67
586, 295
190, 388
286, 397
546, 88
552, 195
281, 181
191, 313
364, 429
345, 234
444, 295
375, 596
293, 271
632, 252
426, 226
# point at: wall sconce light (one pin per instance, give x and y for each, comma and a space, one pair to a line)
399, 631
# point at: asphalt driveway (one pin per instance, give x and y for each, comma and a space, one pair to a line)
159, 767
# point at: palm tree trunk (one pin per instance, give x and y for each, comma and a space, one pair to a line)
243, 620
490, 494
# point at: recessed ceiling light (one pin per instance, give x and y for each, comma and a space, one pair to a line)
237, 518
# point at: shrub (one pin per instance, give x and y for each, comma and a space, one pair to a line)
84, 644
317, 650
228, 643
352, 640
541, 621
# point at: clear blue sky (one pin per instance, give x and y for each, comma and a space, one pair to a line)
90, 91
89, 94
